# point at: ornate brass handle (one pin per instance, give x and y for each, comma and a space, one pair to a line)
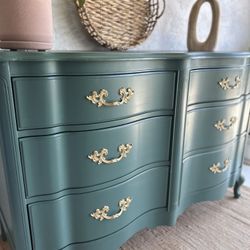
99, 98
100, 157
221, 125
216, 168
225, 83
101, 214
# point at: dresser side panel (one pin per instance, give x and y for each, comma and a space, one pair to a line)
5, 216
18, 228
178, 140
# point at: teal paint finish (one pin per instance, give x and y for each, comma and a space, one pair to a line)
5, 215
205, 87
62, 100
200, 126
239, 157
76, 209
48, 127
208, 194
248, 79
150, 219
196, 168
61, 160
245, 116
13, 211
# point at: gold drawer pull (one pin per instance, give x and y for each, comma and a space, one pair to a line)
101, 214
221, 125
100, 157
99, 98
225, 83
216, 168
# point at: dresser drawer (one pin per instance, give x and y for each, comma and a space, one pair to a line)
57, 162
66, 220
54, 101
212, 126
215, 84
200, 169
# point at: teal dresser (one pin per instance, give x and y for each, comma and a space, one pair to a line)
96, 146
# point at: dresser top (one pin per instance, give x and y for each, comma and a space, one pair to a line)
110, 56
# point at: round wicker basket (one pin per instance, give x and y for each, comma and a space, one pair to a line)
118, 24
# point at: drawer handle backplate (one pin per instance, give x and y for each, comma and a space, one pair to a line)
99, 98
225, 83
216, 168
100, 157
101, 214
221, 125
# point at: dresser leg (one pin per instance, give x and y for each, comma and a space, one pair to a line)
3, 234
237, 186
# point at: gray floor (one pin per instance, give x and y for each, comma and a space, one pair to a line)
246, 174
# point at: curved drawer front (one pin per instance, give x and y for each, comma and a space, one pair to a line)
212, 126
53, 101
215, 85
66, 220
208, 169
57, 162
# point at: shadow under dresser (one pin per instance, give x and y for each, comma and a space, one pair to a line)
96, 146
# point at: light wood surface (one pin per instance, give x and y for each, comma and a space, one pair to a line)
192, 41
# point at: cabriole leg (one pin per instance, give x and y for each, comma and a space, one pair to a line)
237, 186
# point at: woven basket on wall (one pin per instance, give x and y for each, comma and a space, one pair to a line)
119, 24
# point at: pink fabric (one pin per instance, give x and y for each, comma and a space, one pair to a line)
26, 24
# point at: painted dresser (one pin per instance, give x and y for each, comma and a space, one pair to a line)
96, 146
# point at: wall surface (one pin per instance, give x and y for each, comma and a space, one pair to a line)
171, 30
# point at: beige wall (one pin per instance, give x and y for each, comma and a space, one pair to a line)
171, 30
